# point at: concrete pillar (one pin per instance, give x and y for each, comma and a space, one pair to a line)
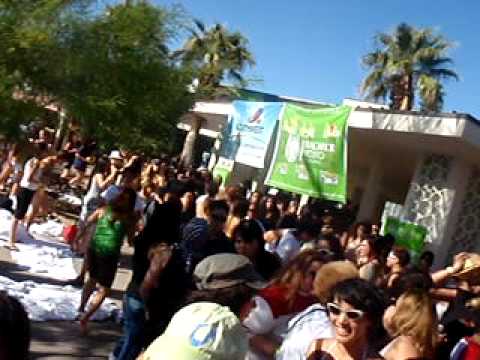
458, 182
214, 155
188, 152
434, 198
371, 194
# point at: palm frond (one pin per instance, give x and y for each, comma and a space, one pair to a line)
444, 74
419, 55
200, 25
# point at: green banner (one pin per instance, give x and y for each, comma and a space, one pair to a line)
223, 169
408, 235
310, 155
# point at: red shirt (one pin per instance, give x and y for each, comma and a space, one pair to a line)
473, 350
275, 296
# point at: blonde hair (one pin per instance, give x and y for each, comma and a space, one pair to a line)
329, 275
415, 317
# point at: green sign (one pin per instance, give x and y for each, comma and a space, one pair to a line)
408, 235
223, 169
310, 155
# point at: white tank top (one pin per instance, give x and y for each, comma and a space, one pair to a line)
33, 183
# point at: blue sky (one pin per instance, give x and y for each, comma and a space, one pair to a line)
312, 48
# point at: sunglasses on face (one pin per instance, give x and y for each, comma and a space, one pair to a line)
336, 310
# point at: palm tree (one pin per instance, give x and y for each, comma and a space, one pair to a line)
406, 63
216, 54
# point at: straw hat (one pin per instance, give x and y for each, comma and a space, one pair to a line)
471, 269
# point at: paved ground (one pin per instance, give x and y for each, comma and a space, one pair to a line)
61, 339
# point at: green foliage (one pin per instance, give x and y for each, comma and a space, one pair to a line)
109, 71
406, 62
216, 55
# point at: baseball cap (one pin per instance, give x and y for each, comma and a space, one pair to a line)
201, 331
115, 155
225, 270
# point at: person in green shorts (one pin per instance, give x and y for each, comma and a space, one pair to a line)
114, 222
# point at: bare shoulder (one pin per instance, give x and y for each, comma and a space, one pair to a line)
401, 348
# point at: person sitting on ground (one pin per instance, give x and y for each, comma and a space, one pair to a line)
313, 323
205, 237
70, 148
200, 331
14, 329
114, 222
266, 316
80, 163
356, 311
248, 240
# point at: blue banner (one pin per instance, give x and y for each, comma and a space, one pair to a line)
249, 130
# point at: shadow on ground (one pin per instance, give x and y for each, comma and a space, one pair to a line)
62, 340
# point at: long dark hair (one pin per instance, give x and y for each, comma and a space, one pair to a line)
364, 296
14, 329
101, 167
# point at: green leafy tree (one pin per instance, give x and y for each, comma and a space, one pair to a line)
110, 71
408, 62
131, 93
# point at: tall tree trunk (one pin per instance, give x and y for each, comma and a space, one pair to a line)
188, 152
408, 93
60, 132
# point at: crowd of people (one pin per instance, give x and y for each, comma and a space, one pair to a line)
226, 272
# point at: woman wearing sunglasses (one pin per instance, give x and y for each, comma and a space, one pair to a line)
356, 313
266, 316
